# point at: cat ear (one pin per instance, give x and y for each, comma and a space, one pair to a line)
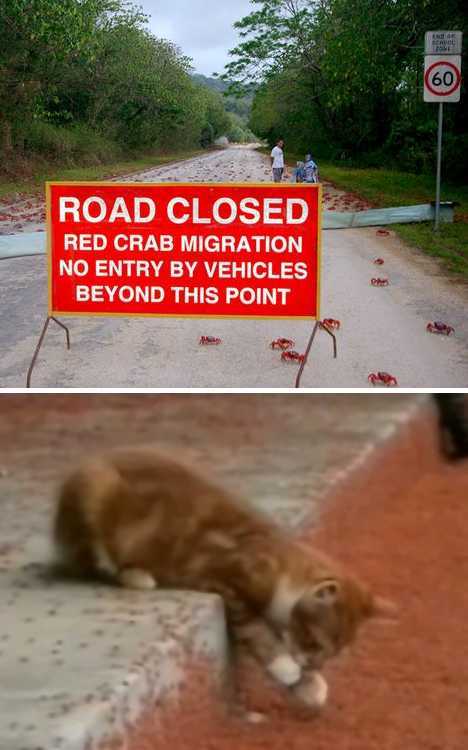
327, 591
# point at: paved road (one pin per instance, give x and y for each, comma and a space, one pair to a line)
382, 329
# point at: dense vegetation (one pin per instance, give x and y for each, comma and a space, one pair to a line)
83, 81
343, 78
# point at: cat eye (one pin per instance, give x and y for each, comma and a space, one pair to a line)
328, 590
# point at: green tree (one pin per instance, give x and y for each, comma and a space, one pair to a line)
77, 72
38, 38
348, 71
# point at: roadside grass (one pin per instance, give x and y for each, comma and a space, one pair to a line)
385, 188
450, 245
35, 184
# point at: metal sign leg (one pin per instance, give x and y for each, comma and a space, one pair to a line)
439, 166
309, 347
39, 344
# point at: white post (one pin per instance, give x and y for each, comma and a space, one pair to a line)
439, 167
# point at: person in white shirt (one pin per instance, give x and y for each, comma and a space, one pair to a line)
277, 161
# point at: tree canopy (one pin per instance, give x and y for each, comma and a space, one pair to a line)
78, 75
344, 78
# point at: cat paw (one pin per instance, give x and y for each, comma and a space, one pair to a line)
255, 717
134, 578
313, 691
285, 670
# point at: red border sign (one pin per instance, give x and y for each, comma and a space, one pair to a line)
437, 92
184, 250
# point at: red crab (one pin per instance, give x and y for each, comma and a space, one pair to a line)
438, 327
382, 378
209, 341
382, 232
292, 356
282, 344
331, 323
379, 261
380, 282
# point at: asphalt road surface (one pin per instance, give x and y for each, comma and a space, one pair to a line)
382, 329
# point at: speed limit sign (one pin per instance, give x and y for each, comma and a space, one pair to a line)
442, 83
442, 78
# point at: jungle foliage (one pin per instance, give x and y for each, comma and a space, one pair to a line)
343, 79
83, 81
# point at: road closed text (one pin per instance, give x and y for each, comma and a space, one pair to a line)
180, 210
184, 250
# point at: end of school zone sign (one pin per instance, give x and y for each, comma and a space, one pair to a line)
184, 250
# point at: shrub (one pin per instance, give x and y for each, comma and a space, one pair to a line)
78, 144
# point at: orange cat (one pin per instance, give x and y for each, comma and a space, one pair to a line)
148, 521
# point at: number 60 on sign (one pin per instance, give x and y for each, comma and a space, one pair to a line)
442, 78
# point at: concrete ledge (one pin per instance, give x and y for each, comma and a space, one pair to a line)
80, 663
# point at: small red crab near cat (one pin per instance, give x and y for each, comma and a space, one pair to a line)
380, 282
379, 261
382, 378
438, 327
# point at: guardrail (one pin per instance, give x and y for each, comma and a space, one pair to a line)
34, 243
22, 245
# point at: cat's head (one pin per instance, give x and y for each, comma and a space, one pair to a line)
327, 616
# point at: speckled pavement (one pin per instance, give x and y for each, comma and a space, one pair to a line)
80, 663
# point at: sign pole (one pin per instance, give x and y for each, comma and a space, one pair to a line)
39, 344
318, 325
442, 83
439, 166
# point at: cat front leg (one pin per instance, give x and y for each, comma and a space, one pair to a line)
312, 690
270, 651
136, 578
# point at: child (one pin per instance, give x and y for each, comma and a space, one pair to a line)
298, 174
310, 170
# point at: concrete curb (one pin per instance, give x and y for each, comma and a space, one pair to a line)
120, 651
413, 440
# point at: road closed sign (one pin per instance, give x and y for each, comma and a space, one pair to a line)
442, 78
184, 250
